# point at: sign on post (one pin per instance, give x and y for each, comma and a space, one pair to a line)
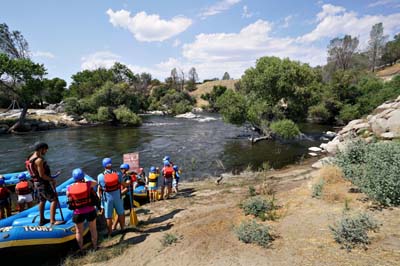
133, 160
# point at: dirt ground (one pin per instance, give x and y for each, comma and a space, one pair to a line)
203, 217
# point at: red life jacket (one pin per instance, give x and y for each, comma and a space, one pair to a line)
4, 193
111, 181
79, 195
168, 172
133, 178
23, 188
30, 166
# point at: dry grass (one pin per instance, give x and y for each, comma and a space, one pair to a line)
207, 87
389, 71
331, 174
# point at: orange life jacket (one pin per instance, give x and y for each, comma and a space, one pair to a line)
23, 187
79, 195
168, 172
111, 181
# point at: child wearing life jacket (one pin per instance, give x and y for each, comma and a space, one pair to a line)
175, 181
24, 190
82, 199
168, 175
152, 184
5, 200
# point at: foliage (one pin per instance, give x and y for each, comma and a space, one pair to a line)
349, 112
13, 44
226, 76
54, 90
260, 206
252, 232
232, 106
375, 168
319, 113
169, 239
376, 44
352, 230
252, 191
86, 82
285, 128
125, 116
104, 114
391, 51
317, 188
212, 96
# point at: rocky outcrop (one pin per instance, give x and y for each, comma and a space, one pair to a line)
383, 123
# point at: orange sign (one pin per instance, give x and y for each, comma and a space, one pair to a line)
133, 160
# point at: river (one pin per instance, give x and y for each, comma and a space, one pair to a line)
201, 148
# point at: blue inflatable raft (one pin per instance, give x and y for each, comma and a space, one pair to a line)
11, 179
21, 233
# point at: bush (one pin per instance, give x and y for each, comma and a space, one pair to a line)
169, 239
126, 116
285, 128
259, 207
319, 113
317, 189
251, 232
103, 114
349, 112
352, 231
375, 169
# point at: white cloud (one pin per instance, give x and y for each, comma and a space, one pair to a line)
148, 28
246, 13
335, 21
286, 21
104, 59
218, 8
176, 43
42, 54
384, 3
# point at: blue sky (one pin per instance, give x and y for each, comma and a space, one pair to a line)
213, 36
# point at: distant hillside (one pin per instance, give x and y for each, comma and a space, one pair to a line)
207, 87
389, 72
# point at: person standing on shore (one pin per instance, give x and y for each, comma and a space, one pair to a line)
152, 185
109, 191
80, 199
45, 182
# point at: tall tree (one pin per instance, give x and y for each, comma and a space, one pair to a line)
376, 44
226, 76
13, 43
174, 78
20, 78
341, 50
192, 79
392, 51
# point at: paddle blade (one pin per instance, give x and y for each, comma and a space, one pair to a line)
114, 215
137, 204
133, 220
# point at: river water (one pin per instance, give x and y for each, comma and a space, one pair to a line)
201, 148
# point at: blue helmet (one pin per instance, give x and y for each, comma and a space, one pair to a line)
106, 161
176, 168
124, 166
2, 181
22, 176
78, 174
167, 163
166, 158
152, 169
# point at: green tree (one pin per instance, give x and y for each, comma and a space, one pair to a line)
232, 107
226, 76
13, 43
20, 79
54, 89
212, 97
391, 51
376, 44
86, 82
192, 79
122, 73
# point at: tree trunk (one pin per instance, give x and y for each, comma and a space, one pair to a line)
21, 119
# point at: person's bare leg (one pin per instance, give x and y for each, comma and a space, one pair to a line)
41, 211
121, 219
109, 225
93, 233
79, 235
53, 206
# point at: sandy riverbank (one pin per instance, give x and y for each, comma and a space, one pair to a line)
203, 217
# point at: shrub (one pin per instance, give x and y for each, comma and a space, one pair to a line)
375, 169
349, 112
317, 189
251, 232
319, 113
252, 191
125, 116
103, 114
260, 207
285, 128
352, 230
169, 239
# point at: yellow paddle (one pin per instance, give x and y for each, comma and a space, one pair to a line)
133, 220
